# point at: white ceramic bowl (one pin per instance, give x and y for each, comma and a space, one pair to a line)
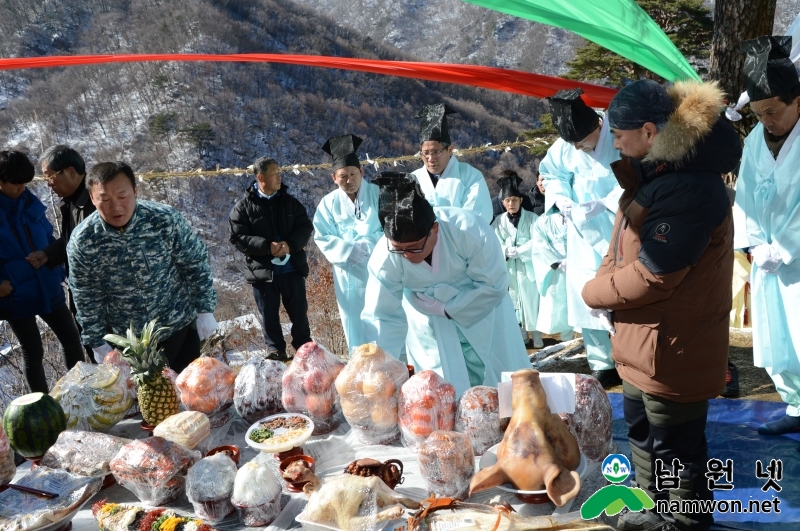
284, 446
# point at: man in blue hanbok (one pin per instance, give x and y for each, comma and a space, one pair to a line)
444, 180
768, 199
346, 228
513, 229
438, 290
580, 183
549, 258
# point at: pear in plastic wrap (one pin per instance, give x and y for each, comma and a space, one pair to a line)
368, 388
537, 449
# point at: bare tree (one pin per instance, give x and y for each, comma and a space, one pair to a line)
736, 21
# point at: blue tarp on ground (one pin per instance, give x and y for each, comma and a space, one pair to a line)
731, 434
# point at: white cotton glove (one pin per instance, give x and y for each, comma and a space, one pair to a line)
101, 351
565, 206
562, 265
427, 305
592, 209
605, 319
767, 258
206, 325
358, 254
512, 252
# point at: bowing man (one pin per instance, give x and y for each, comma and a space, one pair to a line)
438, 289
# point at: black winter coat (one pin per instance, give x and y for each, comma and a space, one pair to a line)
74, 210
256, 222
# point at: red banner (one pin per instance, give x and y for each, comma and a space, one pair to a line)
493, 78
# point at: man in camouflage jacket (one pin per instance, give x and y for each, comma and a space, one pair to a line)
133, 261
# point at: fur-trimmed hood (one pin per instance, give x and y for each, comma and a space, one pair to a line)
695, 136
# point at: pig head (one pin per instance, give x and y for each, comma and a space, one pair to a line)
537, 450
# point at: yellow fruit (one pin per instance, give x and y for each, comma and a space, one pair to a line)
384, 413
377, 386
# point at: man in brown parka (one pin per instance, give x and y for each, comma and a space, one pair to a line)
665, 282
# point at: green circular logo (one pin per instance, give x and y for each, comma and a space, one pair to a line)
616, 468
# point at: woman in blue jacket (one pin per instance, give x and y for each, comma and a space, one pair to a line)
26, 288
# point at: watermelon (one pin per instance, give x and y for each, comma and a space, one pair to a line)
32, 423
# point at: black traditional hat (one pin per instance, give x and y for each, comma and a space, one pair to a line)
343, 150
434, 123
509, 187
404, 213
573, 119
768, 69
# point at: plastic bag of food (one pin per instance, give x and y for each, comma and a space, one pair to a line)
447, 463
83, 452
256, 494
115, 358
592, 422
21, 511
206, 386
209, 485
478, 415
154, 469
7, 467
93, 397
308, 387
368, 505
368, 388
258, 389
187, 428
427, 403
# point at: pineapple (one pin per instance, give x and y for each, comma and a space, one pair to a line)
157, 396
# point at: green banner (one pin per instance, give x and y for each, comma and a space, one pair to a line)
619, 25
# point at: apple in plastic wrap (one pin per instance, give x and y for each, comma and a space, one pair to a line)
308, 387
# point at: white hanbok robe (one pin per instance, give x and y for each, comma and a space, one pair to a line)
549, 237
521, 277
339, 224
468, 274
768, 200
460, 185
581, 177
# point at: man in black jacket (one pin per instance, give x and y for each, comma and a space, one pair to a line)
64, 171
271, 228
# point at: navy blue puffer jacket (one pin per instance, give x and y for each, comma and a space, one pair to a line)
23, 229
